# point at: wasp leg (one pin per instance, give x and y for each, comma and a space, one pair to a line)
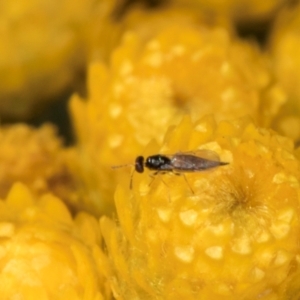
182, 174
153, 175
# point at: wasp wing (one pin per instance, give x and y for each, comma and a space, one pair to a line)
195, 161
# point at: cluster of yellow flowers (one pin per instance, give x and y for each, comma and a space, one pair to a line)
81, 222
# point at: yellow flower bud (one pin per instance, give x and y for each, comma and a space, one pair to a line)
45, 253
36, 157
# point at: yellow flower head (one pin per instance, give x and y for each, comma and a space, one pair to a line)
283, 45
119, 17
35, 157
43, 46
230, 232
45, 254
149, 86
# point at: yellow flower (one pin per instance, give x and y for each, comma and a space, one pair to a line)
284, 42
150, 85
231, 232
245, 12
37, 158
146, 22
43, 49
45, 254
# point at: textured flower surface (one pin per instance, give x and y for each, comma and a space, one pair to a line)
37, 158
283, 45
45, 254
184, 69
231, 232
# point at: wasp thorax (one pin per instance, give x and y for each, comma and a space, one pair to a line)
157, 162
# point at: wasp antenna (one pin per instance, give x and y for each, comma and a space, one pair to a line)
222, 163
188, 184
121, 166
